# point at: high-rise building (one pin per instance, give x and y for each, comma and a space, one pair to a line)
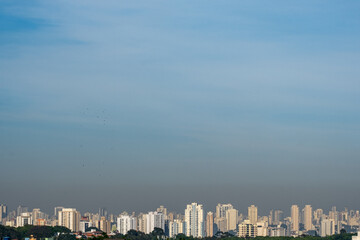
221, 209
154, 220
125, 223
37, 214
334, 214
112, 218
220, 224
220, 216
170, 216
271, 217
209, 224
57, 210
70, 218
176, 227
246, 229
84, 224
194, 219
24, 219
21, 209
318, 214
344, 216
277, 232
232, 219
294, 218
3, 212
278, 217
141, 222
253, 214
105, 225
327, 227
103, 212
308, 218
162, 210
262, 229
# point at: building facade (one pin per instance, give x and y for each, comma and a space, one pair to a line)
308, 218
209, 224
126, 223
253, 214
70, 218
247, 229
194, 219
154, 220
231, 219
294, 218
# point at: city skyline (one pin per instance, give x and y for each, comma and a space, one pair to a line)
193, 221
252, 210
142, 103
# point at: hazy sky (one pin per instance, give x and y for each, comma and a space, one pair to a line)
132, 104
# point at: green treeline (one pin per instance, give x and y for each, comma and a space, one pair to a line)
133, 235
41, 232
36, 231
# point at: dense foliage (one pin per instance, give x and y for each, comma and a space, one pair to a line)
47, 232
132, 235
158, 233
28, 230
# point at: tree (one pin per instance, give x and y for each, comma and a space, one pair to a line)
134, 235
181, 236
9, 232
66, 236
61, 229
41, 231
158, 232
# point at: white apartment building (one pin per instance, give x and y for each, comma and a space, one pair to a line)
253, 214
83, 225
294, 218
262, 229
308, 218
176, 227
220, 216
70, 218
221, 210
327, 227
24, 219
194, 219
154, 220
125, 223
247, 229
231, 219
277, 232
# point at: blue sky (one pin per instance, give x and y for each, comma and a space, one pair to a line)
207, 100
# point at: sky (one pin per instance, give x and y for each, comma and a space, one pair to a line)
130, 105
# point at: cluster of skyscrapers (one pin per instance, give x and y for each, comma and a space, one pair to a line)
194, 221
